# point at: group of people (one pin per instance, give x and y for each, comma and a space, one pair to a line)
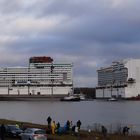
69, 127
125, 130
56, 128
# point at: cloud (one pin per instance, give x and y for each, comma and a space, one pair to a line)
90, 34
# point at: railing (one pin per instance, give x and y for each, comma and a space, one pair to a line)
114, 128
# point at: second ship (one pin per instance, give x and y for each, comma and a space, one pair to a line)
42, 79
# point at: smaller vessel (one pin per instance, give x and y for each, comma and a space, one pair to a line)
71, 98
82, 97
112, 99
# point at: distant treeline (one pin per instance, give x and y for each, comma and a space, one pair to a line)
88, 92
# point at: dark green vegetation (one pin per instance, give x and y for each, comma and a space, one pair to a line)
82, 135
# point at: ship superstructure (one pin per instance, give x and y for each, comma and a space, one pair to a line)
41, 77
119, 80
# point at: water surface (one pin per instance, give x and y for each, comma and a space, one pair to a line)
89, 112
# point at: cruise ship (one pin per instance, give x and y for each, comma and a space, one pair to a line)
42, 77
119, 80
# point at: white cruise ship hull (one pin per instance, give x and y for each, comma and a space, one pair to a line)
33, 93
34, 90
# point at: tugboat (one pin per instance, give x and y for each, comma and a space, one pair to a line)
82, 97
71, 97
112, 99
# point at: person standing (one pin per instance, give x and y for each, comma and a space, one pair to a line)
57, 127
49, 119
79, 124
68, 125
53, 126
126, 130
104, 130
71, 124
2, 131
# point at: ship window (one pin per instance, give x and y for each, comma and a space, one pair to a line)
64, 76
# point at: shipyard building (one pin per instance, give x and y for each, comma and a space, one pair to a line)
42, 76
120, 80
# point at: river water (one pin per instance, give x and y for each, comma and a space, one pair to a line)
89, 112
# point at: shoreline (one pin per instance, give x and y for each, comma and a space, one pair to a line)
35, 98
31, 97
82, 134
7, 97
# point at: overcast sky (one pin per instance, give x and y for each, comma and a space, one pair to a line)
89, 33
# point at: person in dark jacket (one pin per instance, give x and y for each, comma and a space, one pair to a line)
79, 124
104, 131
68, 125
126, 130
2, 131
57, 127
73, 129
49, 120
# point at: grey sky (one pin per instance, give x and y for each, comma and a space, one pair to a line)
89, 33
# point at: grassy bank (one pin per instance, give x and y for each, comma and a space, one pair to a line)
82, 135
92, 136
86, 136
22, 124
